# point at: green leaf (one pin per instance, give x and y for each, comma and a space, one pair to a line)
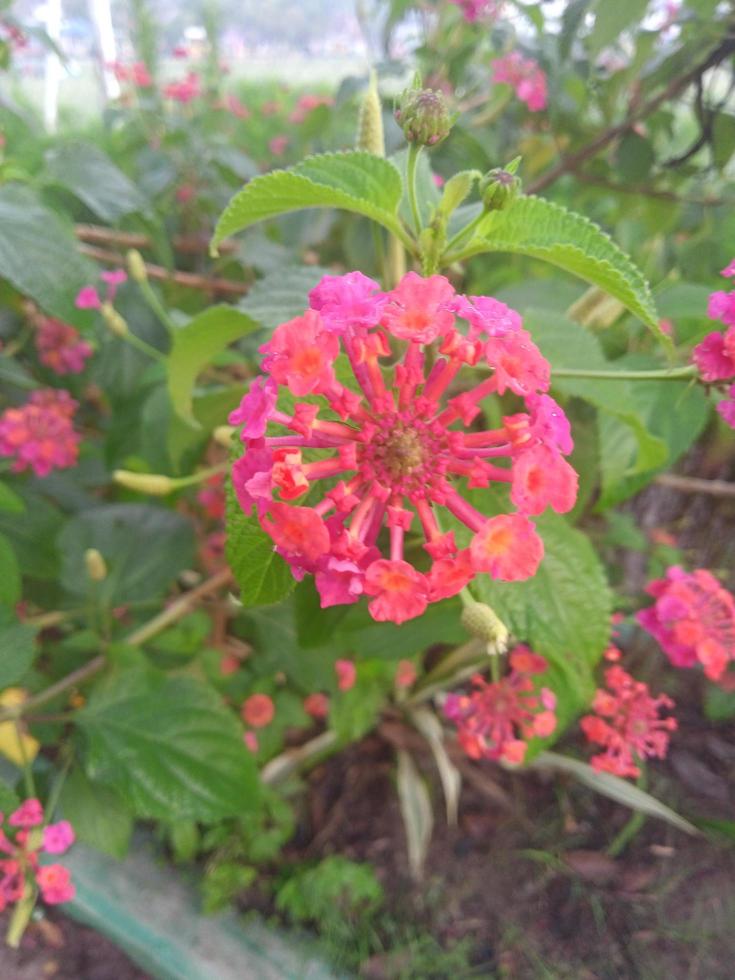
282, 295
10, 502
614, 788
723, 139
612, 18
97, 813
634, 158
263, 576
418, 818
451, 779
17, 649
539, 228
9, 799
354, 181
571, 20
195, 345
90, 175
567, 345
169, 746
673, 412
10, 581
39, 255
144, 548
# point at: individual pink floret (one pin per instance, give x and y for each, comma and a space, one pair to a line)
28, 814
58, 837
346, 674
55, 884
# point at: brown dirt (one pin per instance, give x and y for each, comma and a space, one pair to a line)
56, 948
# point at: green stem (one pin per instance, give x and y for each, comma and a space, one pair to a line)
144, 346
414, 151
138, 637
199, 477
379, 248
461, 235
28, 781
53, 797
665, 374
631, 827
156, 305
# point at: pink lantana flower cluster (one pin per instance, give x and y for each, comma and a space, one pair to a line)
306, 104
715, 355
474, 10
693, 620
136, 74
22, 840
185, 90
525, 76
88, 298
627, 724
496, 719
60, 347
40, 435
394, 446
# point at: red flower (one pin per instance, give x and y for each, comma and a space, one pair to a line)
627, 724
495, 720
258, 710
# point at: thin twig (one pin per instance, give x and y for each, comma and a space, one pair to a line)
677, 85
179, 608
693, 484
192, 280
186, 244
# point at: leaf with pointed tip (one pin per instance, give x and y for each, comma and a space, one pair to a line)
418, 819
541, 229
614, 788
353, 181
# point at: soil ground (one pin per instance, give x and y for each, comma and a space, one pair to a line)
56, 948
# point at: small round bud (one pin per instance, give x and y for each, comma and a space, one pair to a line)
424, 116
480, 620
153, 483
136, 266
499, 188
114, 321
95, 565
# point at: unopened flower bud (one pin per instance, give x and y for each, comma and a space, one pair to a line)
480, 620
152, 483
95, 565
136, 266
114, 321
223, 435
424, 116
370, 125
500, 187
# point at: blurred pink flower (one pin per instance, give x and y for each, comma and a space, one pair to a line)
40, 434
278, 145
60, 347
525, 76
